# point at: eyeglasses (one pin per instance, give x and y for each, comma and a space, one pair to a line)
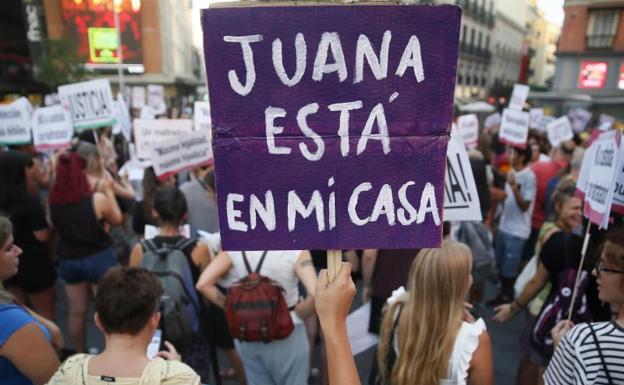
601, 269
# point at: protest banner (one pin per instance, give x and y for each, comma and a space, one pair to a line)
316, 134
184, 152
147, 132
544, 121
514, 128
138, 97
518, 96
492, 120
90, 103
605, 122
579, 118
469, 129
461, 199
15, 122
559, 131
535, 117
604, 167
51, 99
52, 128
156, 98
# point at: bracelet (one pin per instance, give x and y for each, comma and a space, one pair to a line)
516, 307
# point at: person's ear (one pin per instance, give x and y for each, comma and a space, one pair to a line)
155, 320
98, 323
155, 214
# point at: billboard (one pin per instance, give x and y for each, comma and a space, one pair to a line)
593, 74
91, 25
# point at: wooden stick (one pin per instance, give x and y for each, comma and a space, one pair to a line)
334, 263
578, 272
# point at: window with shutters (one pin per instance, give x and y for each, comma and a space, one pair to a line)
602, 28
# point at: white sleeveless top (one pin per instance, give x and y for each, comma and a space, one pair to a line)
278, 265
466, 344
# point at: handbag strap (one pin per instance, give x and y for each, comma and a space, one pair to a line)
248, 266
602, 360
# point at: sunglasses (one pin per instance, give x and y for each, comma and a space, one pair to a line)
601, 269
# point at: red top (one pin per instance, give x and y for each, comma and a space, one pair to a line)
544, 172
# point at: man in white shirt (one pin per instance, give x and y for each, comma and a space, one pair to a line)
515, 223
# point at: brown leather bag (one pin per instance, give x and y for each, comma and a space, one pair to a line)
255, 308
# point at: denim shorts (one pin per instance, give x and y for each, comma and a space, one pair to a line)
88, 269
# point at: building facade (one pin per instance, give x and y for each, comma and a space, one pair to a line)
590, 56
542, 39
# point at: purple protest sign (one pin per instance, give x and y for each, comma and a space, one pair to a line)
330, 123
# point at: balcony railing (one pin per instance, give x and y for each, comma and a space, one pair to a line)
600, 41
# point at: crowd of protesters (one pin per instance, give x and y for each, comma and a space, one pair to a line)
70, 219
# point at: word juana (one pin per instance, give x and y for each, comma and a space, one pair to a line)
329, 42
386, 205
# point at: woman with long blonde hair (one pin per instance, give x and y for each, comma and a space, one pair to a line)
424, 337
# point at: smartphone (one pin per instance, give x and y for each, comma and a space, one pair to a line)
154, 346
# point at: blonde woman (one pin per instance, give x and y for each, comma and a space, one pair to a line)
424, 338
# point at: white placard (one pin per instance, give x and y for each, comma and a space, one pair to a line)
605, 123
583, 178
461, 199
604, 170
156, 98
514, 127
138, 97
469, 129
15, 122
147, 132
51, 99
122, 114
185, 152
535, 117
518, 96
151, 232
52, 128
559, 131
579, 117
90, 103
201, 112
544, 121
492, 120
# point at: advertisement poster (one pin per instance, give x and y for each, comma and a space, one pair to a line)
593, 74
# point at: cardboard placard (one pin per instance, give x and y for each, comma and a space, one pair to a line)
492, 120
52, 128
15, 122
184, 152
518, 96
535, 117
579, 118
469, 129
201, 114
461, 199
138, 97
148, 131
514, 128
605, 166
156, 98
313, 105
122, 115
605, 123
544, 121
90, 103
559, 131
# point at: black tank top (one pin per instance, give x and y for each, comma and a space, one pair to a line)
81, 234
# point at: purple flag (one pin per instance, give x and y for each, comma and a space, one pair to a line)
330, 123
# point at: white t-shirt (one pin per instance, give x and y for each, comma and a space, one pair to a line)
514, 221
278, 265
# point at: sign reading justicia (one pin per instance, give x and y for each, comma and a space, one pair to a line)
330, 123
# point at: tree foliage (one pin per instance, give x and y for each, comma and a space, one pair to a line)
61, 64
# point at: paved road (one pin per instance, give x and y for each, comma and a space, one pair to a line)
504, 338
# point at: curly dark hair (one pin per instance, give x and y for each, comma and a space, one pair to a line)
126, 299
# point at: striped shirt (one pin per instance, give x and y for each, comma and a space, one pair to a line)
576, 359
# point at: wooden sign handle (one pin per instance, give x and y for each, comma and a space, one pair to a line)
578, 272
334, 262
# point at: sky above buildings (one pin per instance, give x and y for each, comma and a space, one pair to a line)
553, 10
